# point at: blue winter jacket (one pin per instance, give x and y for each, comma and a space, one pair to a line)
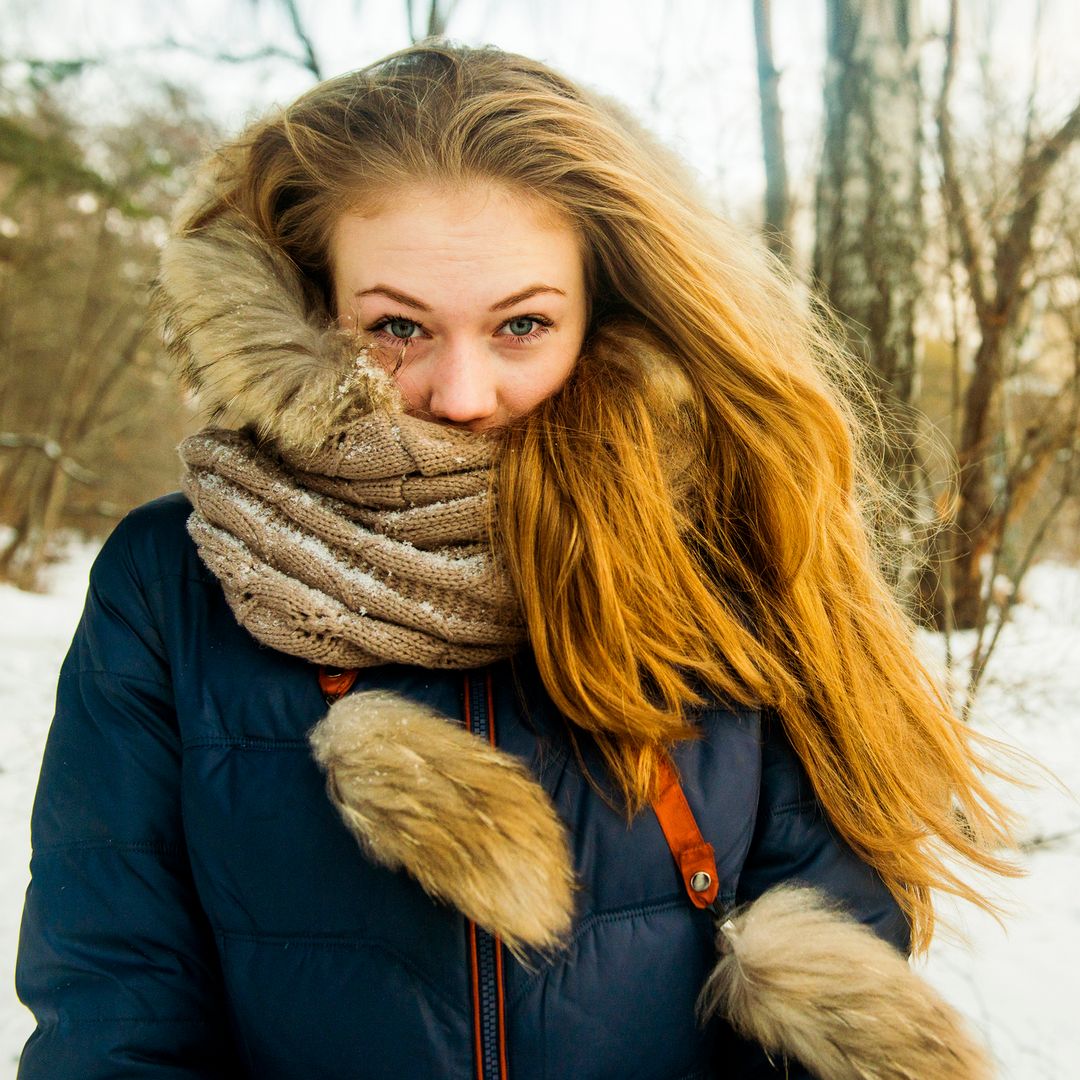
198, 909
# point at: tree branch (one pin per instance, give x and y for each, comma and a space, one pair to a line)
12, 440
267, 52
952, 189
1044, 840
310, 61
1015, 248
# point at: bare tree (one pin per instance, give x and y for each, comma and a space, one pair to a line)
870, 226
998, 272
65, 395
83, 384
777, 199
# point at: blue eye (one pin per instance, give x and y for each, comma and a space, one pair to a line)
521, 327
404, 329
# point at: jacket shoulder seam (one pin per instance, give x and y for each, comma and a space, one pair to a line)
244, 742
794, 806
140, 847
123, 675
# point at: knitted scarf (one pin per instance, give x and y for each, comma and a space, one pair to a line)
372, 549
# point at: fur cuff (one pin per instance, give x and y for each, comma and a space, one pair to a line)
804, 980
466, 820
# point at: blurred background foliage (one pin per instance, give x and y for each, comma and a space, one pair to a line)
89, 416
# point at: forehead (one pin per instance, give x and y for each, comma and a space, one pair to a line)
473, 197
476, 229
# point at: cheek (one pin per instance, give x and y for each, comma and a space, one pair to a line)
527, 386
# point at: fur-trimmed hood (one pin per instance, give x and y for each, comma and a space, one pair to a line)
237, 317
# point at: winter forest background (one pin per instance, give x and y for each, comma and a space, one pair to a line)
914, 162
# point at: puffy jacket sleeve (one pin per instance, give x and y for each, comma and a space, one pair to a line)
794, 842
116, 958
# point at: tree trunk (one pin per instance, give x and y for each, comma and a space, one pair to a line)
975, 489
28, 556
870, 224
777, 200
437, 21
870, 229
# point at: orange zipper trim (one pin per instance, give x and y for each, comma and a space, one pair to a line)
484, 1068
503, 1069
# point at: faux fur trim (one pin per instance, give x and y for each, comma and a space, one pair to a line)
236, 316
807, 981
465, 819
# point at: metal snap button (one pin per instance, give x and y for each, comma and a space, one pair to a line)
700, 881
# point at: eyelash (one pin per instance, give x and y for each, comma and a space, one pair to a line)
543, 327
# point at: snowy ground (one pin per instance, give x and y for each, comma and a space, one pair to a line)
34, 635
1019, 985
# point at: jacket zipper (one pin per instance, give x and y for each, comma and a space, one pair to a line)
485, 950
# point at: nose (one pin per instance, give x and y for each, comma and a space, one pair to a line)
461, 384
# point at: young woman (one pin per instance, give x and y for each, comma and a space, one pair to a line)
527, 550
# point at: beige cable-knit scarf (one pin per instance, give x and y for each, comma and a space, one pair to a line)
373, 549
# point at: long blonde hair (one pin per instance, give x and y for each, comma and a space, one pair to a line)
685, 519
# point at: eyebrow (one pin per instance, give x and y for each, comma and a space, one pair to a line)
411, 301
525, 294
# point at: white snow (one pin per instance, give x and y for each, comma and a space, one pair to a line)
35, 631
1019, 985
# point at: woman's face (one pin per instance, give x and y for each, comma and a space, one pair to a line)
474, 295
